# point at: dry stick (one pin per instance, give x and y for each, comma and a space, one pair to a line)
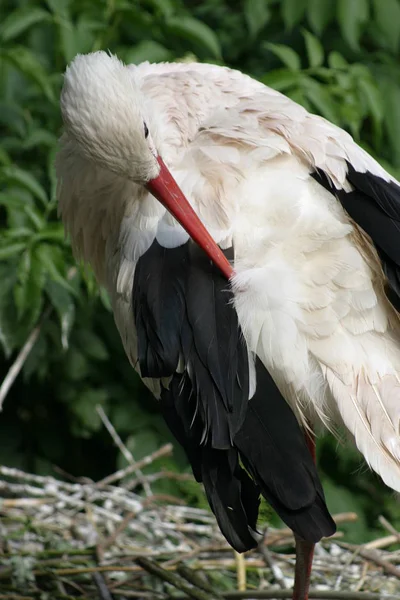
154, 569
382, 542
316, 594
194, 578
389, 527
276, 571
374, 557
102, 587
240, 571
124, 450
23, 354
165, 450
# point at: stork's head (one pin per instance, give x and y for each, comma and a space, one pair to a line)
104, 111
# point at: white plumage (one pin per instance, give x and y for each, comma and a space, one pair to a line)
308, 283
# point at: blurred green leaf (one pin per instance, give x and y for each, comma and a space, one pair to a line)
38, 137
282, 79
320, 98
320, 13
29, 288
11, 250
387, 17
20, 20
315, 51
26, 62
165, 7
287, 55
62, 301
196, 31
93, 345
257, 15
337, 61
84, 408
50, 258
392, 118
352, 16
292, 12
13, 174
147, 50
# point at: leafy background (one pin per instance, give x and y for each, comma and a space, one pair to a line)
339, 58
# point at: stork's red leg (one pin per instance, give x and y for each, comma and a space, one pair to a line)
304, 550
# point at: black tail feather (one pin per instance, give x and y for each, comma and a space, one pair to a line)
232, 495
272, 447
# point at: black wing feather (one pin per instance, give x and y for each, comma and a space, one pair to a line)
158, 307
374, 204
188, 313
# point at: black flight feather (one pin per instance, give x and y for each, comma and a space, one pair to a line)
184, 312
374, 204
158, 307
273, 448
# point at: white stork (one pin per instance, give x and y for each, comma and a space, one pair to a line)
305, 225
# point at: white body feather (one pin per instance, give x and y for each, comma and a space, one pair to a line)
308, 285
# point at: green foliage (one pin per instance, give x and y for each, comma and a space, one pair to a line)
338, 58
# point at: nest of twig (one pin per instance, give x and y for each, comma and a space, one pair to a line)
102, 540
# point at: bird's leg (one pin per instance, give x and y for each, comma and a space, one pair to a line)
304, 550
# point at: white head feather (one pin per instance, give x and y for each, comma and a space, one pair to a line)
104, 112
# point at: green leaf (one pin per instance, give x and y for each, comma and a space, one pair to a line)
287, 55
11, 250
20, 20
13, 174
387, 17
76, 365
92, 344
292, 12
39, 137
28, 291
4, 157
84, 408
141, 444
35, 217
337, 61
315, 51
195, 31
68, 37
321, 99
391, 95
165, 7
65, 307
257, 15
352, 16
281, 79
320, 13
52, 260
27, 63
50, 232
147, 50
8, 318
373, 97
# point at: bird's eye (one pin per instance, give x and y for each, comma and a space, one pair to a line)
146, 131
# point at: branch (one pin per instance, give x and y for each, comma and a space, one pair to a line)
23, 354
154, 569
287, 594
123, 449
165, 450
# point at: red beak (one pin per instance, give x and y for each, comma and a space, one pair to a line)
167, 191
